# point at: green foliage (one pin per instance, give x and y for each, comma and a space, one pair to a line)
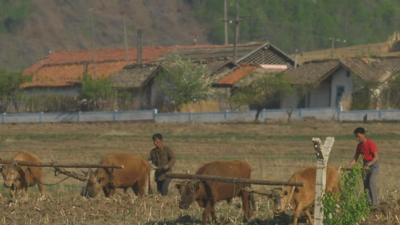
9, 87
350, 206
262, 92
363, 96
13, 13
183, 81
391, 93
305, 24
95, 90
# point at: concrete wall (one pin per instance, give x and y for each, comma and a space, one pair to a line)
207, 117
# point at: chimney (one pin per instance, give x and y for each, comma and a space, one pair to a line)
139, 48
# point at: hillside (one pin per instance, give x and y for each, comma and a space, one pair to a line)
29, 29
304, 25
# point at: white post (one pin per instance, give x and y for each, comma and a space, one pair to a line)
322, 152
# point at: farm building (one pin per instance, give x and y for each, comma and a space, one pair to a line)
327, 83
265, 59
141, 82
332, 83
61, 73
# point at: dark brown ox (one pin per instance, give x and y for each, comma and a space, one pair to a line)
135, 174
302, 198
21, 177
208, 193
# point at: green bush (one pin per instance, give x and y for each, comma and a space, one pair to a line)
96, 92
349, 206
183, 81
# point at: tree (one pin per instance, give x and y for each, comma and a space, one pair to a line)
391, 93
94, 91
263, 92
13, 14
183, 81
9, 88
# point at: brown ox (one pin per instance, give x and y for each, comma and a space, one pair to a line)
208, 193
21, 177
135, 175
303, 197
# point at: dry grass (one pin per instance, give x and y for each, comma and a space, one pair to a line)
274, 151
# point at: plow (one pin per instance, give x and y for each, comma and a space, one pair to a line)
61, 168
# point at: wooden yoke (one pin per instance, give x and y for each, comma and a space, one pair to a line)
233, 180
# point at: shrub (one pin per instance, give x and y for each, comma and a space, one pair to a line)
350, 206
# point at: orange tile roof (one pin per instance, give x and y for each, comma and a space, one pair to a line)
64, 68
236, 75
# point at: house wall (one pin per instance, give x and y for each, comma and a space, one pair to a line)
64, 91
320, 97
326, 94
342, 78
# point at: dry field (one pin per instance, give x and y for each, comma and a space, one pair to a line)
274, 151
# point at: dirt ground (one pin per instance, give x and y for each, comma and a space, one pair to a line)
274, 151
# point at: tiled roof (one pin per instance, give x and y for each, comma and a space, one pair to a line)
312, 73
67, 67
369, 69
236, 75
266, 54
134, 77
374, 69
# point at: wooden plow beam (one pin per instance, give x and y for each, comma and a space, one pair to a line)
60, 165
233, 180
77, 176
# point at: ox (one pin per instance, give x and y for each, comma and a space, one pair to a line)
21, 177
303, 197
208, 193
135, 174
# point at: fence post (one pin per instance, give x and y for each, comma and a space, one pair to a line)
322, 153
262, 116
380, 115
78, 118
41, 117
226, 115
190, 116
301, 114
155, 112
3, 117
338, 113
114, 115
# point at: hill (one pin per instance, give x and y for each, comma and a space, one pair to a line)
29, 29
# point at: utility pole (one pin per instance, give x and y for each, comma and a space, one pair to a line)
226, 22
139, 47
333, 41
125, 39
237, 23
91, 12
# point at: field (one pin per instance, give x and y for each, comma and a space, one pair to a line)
273, 150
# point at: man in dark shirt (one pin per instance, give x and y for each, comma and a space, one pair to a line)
367, 148
163, 159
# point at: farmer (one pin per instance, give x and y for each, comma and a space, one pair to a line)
162, 159
367, 148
